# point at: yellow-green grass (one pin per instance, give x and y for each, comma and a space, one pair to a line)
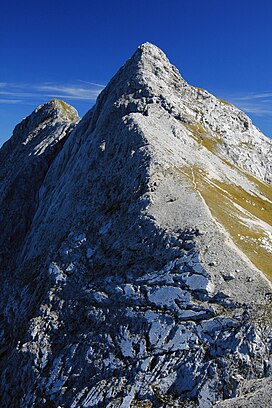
67, 109
223, 198
264, 188
201, 136
230, 205
250, 145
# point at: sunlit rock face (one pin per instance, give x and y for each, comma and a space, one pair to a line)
137, 279
24, 161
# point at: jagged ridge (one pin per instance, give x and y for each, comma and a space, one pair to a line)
127, 292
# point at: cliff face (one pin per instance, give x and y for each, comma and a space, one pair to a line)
134, 280
24, 161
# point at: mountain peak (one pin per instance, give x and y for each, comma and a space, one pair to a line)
53, 111
24, 161
152, 58
58, 109
131, 277
150, 48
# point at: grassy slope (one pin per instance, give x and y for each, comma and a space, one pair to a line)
243, 214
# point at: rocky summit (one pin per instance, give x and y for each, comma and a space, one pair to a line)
136, 250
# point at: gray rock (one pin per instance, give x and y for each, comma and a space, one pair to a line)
251, 394
110, 299
228, 276
24, 161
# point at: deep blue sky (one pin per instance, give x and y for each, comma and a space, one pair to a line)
70, 49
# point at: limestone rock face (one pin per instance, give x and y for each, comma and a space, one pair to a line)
138, 281
253, 393
24, 161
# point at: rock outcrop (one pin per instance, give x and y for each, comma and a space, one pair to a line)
251, 394
24, 161
134, 281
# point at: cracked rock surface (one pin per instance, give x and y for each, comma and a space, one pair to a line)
24, 161
124, 289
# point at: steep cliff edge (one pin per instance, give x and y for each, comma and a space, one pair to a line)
24, 161
131, 286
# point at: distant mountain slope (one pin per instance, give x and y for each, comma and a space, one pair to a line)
24, 161
139, 280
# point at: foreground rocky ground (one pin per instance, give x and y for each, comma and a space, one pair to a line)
134, 247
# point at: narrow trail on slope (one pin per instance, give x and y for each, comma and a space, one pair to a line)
193, 179
229, 240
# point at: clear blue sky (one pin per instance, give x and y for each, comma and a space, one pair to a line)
70, 49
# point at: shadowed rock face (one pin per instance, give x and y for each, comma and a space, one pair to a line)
252, 393
128, 289
24, 161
